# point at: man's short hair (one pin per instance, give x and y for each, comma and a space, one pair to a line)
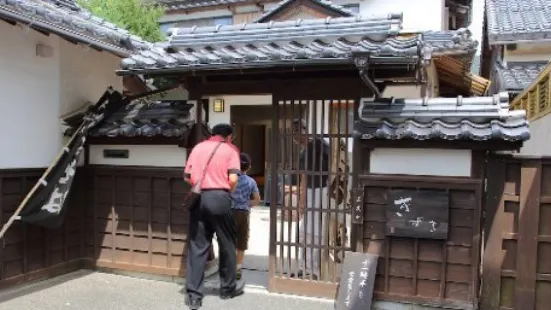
245, 161
223, 130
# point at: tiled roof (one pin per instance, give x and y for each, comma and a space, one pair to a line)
70, 21
473, 118
518, 20
145, 116
148, 119
316, 41
516, 76
339, 9
174, 5
450, 42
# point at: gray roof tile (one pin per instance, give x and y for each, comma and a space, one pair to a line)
67, 19
518, 20
516, 76
473, 118
450, 42
339, 9
331, 40
174, 5
147, 118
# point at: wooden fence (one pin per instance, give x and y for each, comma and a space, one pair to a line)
517, 228
536, 98
126, 218
29, 252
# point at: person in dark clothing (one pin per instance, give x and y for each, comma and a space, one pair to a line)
314, 157
212, 214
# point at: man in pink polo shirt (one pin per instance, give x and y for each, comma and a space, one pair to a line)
212, 214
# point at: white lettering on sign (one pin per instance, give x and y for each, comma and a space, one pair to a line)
416, 222
404, 204
349, 288
364, 272
433, 226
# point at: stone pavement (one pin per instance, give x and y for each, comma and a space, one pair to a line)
89, 290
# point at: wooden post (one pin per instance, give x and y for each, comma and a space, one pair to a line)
527, 243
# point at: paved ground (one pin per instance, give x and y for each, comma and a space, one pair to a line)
86, 290
256, 257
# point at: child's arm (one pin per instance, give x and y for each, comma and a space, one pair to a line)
255, 196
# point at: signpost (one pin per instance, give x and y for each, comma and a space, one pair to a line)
357, 281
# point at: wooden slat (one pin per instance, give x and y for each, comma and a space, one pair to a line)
536, 98
455, 72
525, 284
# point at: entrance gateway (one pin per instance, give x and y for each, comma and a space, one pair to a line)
317, 73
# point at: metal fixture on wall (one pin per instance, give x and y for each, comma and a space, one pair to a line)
218, 105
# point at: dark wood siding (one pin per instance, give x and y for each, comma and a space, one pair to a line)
128, 218
30, 252
425, 271
517, 252
135, 220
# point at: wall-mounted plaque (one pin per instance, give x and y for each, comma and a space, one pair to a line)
357, 281
357, 205
115, 153
418, 214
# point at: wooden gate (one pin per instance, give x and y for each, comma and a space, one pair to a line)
517, 229
311, 154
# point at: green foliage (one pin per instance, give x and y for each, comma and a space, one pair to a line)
137, 16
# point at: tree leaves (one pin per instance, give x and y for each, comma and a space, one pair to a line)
137, 16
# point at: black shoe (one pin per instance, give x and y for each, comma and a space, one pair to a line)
238, 291
194, 303
306, 276
298, 275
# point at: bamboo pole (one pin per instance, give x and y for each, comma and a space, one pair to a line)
35, 187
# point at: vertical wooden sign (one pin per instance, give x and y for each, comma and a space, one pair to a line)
358, 205
357, 281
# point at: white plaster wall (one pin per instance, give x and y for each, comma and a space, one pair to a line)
477, 23
528, 52
36, 91
419, 15
540, 138
224, 117
403, 91
141, 155
29, 130
437, 162
85, 74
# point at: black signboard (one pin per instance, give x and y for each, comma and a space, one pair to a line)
357, 281
418, 214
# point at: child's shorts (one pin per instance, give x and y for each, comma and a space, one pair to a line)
241, 218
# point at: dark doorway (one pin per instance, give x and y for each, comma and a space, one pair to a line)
251, 139
251, 125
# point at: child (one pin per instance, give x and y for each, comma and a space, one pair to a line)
244, 197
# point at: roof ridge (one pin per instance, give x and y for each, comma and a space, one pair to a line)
377, 27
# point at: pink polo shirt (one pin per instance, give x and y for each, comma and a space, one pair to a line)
225, 161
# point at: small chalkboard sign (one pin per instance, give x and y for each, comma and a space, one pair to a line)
357, 281
418, 214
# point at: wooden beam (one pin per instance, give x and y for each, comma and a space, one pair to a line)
134, 85
433, 84
304, 89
